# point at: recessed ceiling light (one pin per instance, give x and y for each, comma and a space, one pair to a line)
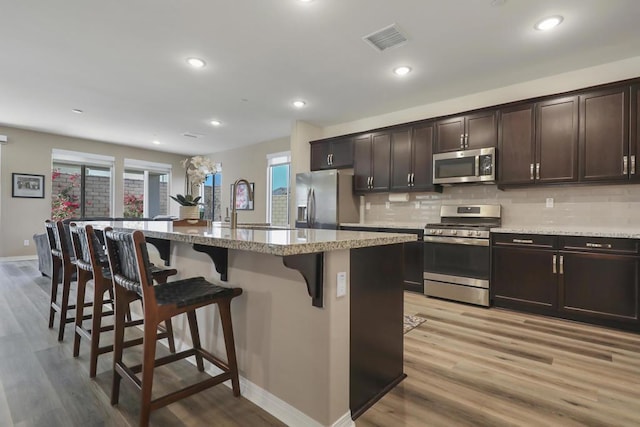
548, 23
77, 111
299, 104
156, 142
196, 62
305, 1
402, 71
215, 122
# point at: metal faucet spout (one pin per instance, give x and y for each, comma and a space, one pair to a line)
234, 213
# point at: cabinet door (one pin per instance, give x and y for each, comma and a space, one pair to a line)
516, 151
481, 130
557, 140
600, 286
449, 135
524, 278
634, 137
604, 135
381, 161
413, 266
401, 160
320, 155
342, 153
362, 163
422, 159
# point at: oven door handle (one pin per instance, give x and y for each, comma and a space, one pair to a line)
457, 240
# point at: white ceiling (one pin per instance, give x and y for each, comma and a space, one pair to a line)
123, 61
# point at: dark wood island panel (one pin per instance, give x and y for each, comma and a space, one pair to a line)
376, 312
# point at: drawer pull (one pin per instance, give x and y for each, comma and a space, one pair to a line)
554, 263
599, 245
527, 241
561, 264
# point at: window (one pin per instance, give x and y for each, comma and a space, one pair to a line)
81, 185
210, 193
146, 189
278, 192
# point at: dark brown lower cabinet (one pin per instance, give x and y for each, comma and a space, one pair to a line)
594, 280
599, 286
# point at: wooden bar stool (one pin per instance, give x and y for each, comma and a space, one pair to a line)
92, 263
63, 267
131, 278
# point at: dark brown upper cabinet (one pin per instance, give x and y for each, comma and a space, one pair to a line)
604, 135
334, 153
478, 130
516, 145
371, 163
556, 158
411, 158
634, 137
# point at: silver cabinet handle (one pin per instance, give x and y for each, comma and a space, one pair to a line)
537, 170
371, 182
598, 245
462, 140
466, 140
561, 264
531, 171
525, 241
625, 165
328, 161
332, 160
408, 180
633, 164
368, 182
413, 179
554, 262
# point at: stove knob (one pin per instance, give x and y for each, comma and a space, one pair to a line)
477, 234
432, 231
454, 232
439, 231
470, 233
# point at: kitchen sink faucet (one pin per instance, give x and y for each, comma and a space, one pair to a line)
234, 213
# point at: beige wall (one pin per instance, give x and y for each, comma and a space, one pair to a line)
30, 152
249, 163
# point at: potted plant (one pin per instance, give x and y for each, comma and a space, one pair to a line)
196, 170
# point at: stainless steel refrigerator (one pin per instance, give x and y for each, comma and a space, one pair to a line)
325, 199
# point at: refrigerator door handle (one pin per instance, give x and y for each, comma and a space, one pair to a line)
313, 207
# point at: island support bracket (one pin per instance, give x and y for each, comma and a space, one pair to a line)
163, 246
219, 256
311, 267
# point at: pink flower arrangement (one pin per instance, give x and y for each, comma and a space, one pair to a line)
133, 205
64, 204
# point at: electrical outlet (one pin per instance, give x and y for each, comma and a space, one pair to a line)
387, 205
26, 242
342, 284
367, 205
417, 205
549, 202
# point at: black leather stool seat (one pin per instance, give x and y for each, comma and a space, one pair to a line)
190, 291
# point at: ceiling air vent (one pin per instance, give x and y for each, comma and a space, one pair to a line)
386, 38
192, 135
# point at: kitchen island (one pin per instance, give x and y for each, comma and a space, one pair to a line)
306, 355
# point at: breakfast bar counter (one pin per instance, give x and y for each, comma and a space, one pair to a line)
319, 361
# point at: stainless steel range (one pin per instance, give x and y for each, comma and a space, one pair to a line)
457, 254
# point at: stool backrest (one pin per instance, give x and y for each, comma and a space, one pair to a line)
129, 261
90, 255
59, 240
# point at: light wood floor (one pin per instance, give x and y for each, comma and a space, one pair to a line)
466, 366
470, 366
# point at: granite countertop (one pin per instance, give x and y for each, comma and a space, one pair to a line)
398, 225
627, 233
281, 242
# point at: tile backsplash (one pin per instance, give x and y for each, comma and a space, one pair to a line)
615, 206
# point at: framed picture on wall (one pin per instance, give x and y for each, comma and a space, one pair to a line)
242, 198
27, 185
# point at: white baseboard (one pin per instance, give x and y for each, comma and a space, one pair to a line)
18, 258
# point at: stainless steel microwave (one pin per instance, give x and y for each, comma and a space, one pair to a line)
465, 166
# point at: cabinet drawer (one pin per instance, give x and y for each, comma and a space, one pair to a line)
529, 240
599, 244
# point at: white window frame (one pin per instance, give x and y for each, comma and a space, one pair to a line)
275, 159
146, 167
89, 159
